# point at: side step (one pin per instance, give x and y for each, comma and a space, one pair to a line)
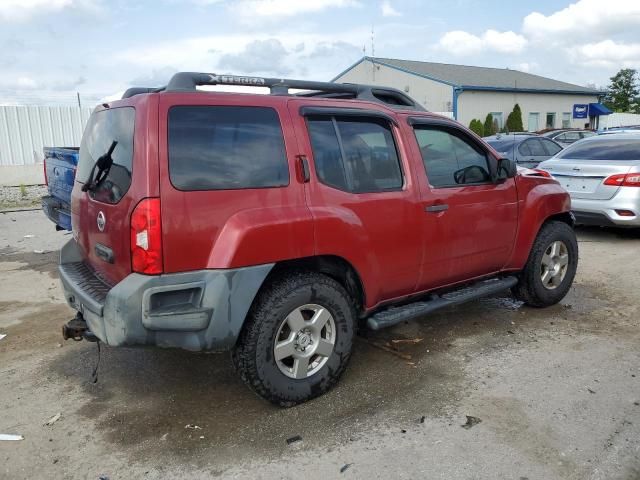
394, 315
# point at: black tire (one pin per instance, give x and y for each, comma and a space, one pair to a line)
253, 356
530, 289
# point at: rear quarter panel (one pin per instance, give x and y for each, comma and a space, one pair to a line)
232, 228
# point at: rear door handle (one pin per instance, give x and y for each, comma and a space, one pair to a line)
441, 207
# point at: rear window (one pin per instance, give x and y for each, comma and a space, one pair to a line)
501, 145
103, 128
603, 149
226, 148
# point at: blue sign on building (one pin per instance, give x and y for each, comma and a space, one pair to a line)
580, 110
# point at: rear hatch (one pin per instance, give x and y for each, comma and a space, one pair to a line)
583, 167
100, 217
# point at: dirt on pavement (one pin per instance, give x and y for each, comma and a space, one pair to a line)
552, 393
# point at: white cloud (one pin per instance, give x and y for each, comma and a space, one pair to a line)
258, 56
388, 10
583, 19
527, 66
26, 83
463, 43
19, 10
287, 8
606, 54
309, 55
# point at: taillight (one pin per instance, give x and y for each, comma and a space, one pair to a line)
623, 180
146, 237
543, 173
44, 166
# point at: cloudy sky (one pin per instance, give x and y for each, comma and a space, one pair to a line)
51, 49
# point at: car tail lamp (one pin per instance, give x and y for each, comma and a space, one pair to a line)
146, 237
44, 167
623, 180
542, 173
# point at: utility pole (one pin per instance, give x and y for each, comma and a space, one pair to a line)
79, 104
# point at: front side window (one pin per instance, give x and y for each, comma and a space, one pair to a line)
226, 148
104, 128
356, 155
450, 159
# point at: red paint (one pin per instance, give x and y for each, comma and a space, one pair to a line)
396, 247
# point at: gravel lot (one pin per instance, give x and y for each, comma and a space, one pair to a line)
556, 391
21, 197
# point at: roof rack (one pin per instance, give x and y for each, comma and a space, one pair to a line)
189, 81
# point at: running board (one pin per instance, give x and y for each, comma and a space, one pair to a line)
394, 315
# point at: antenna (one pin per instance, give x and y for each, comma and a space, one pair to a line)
373, 55
373, 46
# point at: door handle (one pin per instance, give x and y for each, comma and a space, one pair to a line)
441, 207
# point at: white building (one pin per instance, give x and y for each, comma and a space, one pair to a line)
473, 92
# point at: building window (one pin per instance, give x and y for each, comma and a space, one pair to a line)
534, 118
566, 120
551, 120
497, 118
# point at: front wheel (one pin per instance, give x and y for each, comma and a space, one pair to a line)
551, 266
297, 339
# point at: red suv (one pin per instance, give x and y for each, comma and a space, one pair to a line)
276, 225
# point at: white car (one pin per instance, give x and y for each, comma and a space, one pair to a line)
602, 175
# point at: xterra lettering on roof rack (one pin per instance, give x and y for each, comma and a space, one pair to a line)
189, 81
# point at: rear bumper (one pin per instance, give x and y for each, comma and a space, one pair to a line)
56, 211
200, 310
603, 212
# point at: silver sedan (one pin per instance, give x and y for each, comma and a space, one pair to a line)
602, 175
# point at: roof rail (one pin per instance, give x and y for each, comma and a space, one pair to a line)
189, 81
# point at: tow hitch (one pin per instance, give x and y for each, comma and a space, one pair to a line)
76, 329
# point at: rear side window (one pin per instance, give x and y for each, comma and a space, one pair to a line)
355, 154
103, 128
451, 160
604, 149
535, 145
226, 148
549, 146
525, 149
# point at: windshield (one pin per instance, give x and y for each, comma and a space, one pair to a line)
603, 149
501, 145
105, 127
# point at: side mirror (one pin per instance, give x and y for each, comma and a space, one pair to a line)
506, 169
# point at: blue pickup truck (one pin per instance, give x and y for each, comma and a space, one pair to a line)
60, 165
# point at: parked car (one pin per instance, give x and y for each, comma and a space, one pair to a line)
60, 165
568, 136
602, 175
276, 225
526, 149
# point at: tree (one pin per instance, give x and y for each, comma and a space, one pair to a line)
514, 120
622, 92
477, 127
490, 125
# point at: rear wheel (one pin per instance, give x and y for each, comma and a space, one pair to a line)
551, 266
296, 341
